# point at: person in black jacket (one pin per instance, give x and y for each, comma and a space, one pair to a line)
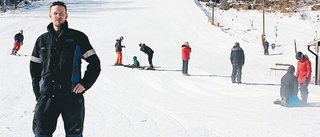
144, 48
237, 60
266, 47
289, 87
55, 69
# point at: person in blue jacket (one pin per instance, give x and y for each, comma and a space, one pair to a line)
57, 80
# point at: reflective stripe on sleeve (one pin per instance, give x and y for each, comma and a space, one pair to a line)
35, 59
88, 53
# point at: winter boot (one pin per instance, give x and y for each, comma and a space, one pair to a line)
13, 52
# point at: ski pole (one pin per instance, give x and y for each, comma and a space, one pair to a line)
126, 55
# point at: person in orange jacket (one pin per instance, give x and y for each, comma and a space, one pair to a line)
185, 57
303, 74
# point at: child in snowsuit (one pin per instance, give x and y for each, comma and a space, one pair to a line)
136, 63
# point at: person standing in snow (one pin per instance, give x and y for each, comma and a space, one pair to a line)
303, 74
147, 50
266, 47
185, 57
18, 42
55, 69
289, 88
237, 60
119, 47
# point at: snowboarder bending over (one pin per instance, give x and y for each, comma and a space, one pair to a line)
57, 81
237, 60
185, 58
119, 47
289, 89
18, 41
144, 48
303, 74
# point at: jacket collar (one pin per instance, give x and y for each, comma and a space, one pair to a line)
63, 27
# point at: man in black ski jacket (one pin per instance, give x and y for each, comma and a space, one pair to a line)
237, 61
55, 69
144, 48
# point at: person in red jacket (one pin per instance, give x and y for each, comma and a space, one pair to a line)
185, 58
303, 74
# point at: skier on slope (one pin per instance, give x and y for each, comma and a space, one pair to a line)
18, 41
119, 47
146, 49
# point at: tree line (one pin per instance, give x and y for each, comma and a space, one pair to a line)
13, 4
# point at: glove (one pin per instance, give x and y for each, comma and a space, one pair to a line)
307, 79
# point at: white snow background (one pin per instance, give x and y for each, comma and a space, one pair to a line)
128, 102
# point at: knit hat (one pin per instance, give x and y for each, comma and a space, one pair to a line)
299, 55
237, 44
291, 69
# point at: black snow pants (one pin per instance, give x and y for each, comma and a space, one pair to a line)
185, 66
150, 56
304, 91
48, 109
236, 73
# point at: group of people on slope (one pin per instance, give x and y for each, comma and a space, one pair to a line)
143, 47
290, 83
147, 50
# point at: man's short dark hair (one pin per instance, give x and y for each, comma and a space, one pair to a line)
60, 3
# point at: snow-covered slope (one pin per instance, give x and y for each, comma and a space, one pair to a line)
137, 103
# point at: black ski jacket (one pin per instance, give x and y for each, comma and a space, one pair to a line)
18, 38
55, 65
118, 45
146, 49
289, 85
237, 56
